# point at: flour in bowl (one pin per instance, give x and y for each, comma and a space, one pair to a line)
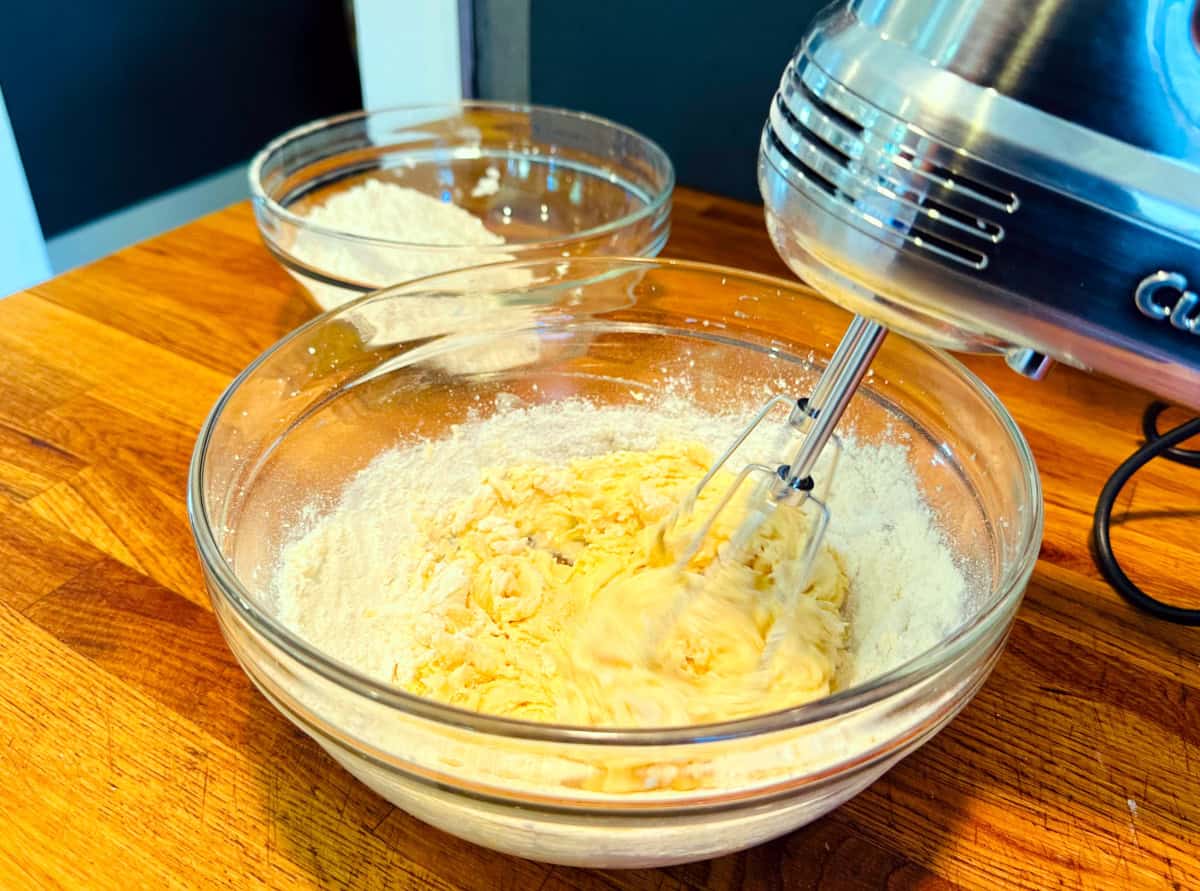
432, 236
358, 581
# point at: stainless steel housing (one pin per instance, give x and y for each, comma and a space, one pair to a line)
1012, 175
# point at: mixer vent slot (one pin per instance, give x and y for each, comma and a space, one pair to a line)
803, 169
938, 211
915, 234
998, 198
833, 152
881, 172
977, 226
885, 136
829, 111
948, 249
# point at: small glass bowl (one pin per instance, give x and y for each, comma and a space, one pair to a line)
304, 418
553, 183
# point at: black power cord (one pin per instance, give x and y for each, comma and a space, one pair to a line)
1158, 445
1186, 457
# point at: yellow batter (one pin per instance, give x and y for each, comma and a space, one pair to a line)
561, 602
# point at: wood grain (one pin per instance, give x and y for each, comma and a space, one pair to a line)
134, 753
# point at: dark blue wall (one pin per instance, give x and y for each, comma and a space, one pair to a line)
113, 101
696, 76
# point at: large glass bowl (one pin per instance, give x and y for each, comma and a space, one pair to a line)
561, 184
315, 409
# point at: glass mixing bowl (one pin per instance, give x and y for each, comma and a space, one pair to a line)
314, 410
553, 183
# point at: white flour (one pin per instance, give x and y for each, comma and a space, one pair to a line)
342, 583
489, 183
435, 237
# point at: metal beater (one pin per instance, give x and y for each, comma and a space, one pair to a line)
812, 421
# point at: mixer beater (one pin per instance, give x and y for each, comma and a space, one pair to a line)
791, 484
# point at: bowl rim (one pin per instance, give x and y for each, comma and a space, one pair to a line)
1004, 602
260, 198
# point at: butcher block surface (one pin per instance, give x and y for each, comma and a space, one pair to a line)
134, 753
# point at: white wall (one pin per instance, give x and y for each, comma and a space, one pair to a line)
409, 53
23, 259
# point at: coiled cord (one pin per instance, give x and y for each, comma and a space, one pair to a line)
1158, 445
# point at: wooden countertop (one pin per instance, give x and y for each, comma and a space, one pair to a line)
135, 753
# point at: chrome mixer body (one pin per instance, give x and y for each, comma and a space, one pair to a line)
1020, 176
1017, 176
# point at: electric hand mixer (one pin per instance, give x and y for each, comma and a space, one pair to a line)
1015, 176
